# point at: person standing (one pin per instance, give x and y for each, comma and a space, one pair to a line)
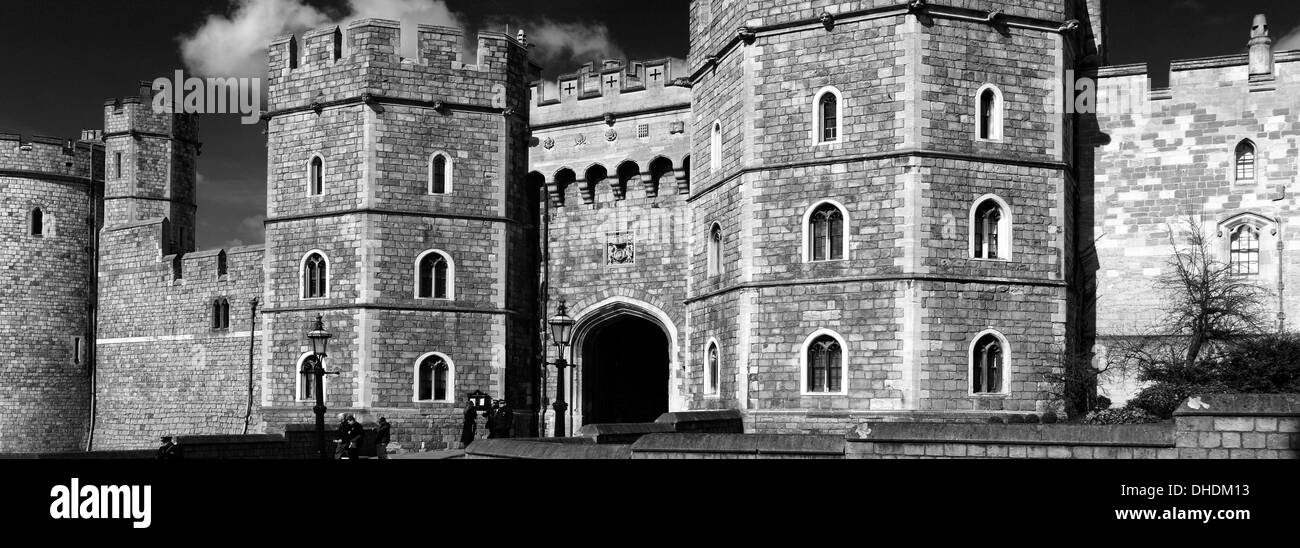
352, 434
467, 430
340, 445
381, 438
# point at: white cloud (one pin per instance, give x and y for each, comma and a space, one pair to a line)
1289, 42
564, 47
234, 44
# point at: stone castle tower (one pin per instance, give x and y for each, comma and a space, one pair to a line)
395, 208
893, 186
50, 210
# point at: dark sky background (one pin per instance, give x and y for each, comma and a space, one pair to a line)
61, 60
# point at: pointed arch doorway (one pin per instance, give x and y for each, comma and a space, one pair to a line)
625, 354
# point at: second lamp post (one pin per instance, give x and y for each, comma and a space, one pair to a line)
561, 330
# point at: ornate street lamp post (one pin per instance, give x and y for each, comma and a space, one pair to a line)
561, 330
320, 339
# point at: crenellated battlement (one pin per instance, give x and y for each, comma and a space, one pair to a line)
1131, 84
333, 64
49, 155
614, 87
135, 114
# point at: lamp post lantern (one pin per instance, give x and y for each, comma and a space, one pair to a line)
320, 339
561, 330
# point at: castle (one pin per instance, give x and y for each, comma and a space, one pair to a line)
836, 211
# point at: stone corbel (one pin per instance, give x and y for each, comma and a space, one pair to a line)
1069, 26
828, 20
746, 35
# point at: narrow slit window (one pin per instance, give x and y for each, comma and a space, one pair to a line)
1245, 161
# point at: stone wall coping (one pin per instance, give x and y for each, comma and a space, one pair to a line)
1138, 435
786, 444
698, 416
1237, 405
545, 449
227, 439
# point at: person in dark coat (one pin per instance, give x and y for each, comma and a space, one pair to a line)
381, 438
341, 448
169, 450
503, 418
350, 435
467, 431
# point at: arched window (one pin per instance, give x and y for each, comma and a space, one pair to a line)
988, 115
823, 364
990, 222
440, 173
306, 385
315, 276
715, 250
825, 228
715, 147
988, 364
1245, 161
38, 222
434, 275
712, 365
221, 313
316, 176
1244, 256
828, 116
433, 378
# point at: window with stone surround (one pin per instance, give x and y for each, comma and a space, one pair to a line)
1245, 155
434, 275
315, 275
1244, 250
715, 250
220, 313
440, 173
306, 383
990, 229
988, 113
988, 359
822, 364
117, 162
316, 176
37, 222
828, 116
433, 378
825, 227
712, 366
715, 147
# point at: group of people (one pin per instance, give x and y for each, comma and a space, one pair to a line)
500, 420
351, 434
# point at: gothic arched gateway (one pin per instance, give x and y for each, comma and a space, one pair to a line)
624, 354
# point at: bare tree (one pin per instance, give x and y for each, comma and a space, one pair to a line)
1207, 303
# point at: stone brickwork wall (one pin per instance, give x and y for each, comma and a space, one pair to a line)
46, 291
377, 121
1239, 426
1160, 157
163, 368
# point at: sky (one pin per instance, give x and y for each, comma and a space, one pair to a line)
62, 59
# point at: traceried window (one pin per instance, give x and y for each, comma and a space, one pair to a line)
315, 276
434, 276
825, 364
1246, 161
316, 176
712, 366
433, 379
988, 230
440, 174
1244, 257
221, 313
826, 233
715, 250
307, 383
987, 369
